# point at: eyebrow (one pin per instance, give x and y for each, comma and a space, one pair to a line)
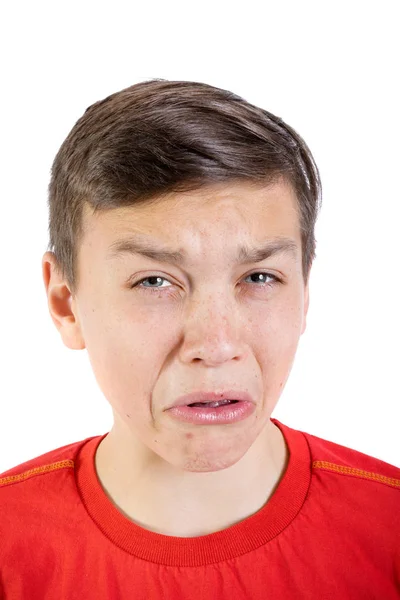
141, 246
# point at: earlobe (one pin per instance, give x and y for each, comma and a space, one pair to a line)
61, 304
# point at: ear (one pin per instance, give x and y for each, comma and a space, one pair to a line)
62, 305
306, 305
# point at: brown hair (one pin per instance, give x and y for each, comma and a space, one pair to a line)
160, 136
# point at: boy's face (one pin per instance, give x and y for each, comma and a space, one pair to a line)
205, 326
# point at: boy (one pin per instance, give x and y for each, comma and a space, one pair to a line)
181, 242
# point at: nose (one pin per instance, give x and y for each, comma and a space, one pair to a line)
212, 332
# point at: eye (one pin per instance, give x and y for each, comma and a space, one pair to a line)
150, 279
259, 276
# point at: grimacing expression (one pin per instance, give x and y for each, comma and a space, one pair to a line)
207, 325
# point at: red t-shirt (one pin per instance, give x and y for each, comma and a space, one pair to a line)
331, 530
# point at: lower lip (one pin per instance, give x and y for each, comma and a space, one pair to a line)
227, 413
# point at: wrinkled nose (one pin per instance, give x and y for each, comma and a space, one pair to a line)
212, 333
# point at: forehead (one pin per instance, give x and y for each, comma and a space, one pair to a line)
203, 219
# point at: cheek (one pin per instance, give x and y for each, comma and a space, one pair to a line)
274, 340
277, 326
126, 356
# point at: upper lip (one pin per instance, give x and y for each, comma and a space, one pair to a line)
212, 397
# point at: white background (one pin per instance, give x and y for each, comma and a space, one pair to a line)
331, 71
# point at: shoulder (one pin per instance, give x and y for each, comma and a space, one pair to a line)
37, 483
40, 504
60, 458
350, 514
353, 487
349, 488
330, 457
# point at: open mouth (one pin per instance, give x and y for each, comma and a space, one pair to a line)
216, 412
213, 404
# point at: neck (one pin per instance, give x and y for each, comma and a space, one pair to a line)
166, 500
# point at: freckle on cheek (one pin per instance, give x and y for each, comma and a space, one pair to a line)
129, 416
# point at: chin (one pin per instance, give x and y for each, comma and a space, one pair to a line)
212, 452
203, 463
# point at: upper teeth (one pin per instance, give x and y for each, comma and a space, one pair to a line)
218, 403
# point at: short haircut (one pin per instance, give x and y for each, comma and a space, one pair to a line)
159, 137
